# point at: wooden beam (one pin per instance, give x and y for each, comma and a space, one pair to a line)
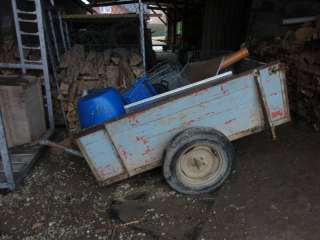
158, 16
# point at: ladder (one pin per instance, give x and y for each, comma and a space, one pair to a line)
34, 19
31, 18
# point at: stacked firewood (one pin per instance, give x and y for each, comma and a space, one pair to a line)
81, 71
9, 51
9, 54
302, 59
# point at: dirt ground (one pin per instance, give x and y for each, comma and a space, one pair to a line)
273, 194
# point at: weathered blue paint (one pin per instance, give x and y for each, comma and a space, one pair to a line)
104, 159
272, 81
137, 142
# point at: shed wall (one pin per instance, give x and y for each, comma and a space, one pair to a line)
224, 25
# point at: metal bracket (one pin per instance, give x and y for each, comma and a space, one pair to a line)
264, 104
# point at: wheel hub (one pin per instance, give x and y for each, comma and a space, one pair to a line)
198, 166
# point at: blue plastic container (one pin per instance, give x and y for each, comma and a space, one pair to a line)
142, 89
99, 107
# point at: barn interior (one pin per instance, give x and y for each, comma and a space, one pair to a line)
53, 52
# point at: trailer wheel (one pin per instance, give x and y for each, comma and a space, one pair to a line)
198, 160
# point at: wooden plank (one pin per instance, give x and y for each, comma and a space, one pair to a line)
35, 111
16, 168
15, 119
101, 156
22, 105
25, 168
20, 161
2, 184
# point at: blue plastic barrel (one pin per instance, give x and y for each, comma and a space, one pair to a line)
100, 106
141, 89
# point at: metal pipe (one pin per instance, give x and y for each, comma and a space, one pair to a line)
59, 146
142, 34
64, 44
5, 186
53, 32
44, 59
289, 21
19, 66
111, 3
5, 157
47, 135
131, 107
67, 35
18, 35
55, 77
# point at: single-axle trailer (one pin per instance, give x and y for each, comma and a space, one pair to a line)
189, 131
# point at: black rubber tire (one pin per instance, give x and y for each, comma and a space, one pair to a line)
195, 136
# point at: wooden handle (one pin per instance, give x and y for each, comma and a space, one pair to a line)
234, 57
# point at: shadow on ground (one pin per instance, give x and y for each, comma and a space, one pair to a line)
274, 193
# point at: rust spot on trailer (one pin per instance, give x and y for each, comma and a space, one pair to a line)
273, 94
188, 123
276, 114
145, 142
230, 121
123, 152
133, 119
105, 170
142, 139
147, 151
224, 91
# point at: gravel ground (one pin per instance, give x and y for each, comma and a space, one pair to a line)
273, 194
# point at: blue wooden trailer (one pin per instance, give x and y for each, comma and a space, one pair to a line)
189, 130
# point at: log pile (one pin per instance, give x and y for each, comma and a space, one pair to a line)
81, 71
301, 54
9, 54
9, 51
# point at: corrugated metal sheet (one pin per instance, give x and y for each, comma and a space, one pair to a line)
225, 25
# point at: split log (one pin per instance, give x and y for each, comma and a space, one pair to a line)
80, 72
135, 59
303, 74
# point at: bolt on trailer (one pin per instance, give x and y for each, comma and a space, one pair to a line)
188, 131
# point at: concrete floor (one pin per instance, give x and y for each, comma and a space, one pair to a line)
273, 194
